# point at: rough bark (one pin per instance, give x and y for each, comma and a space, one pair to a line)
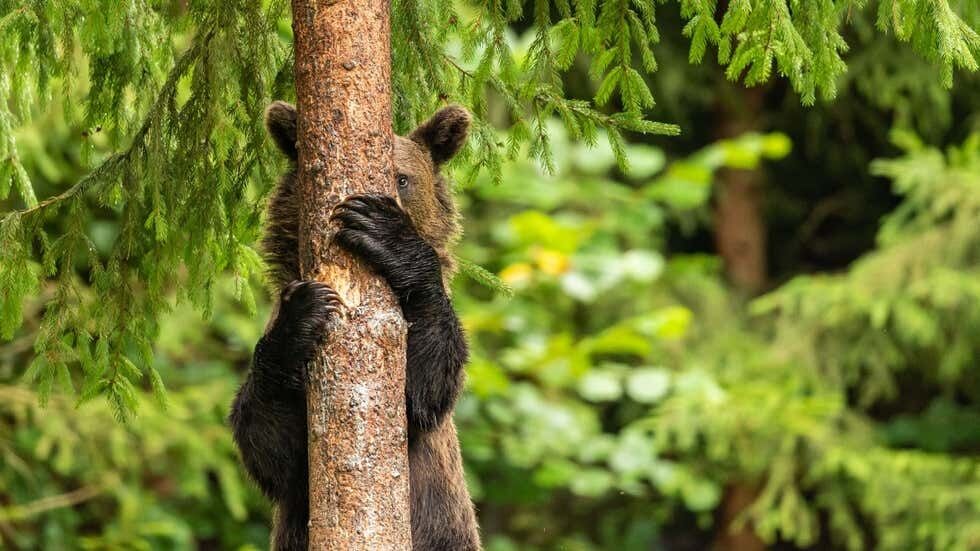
359, 495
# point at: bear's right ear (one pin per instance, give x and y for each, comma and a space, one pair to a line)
280, 120
443, 134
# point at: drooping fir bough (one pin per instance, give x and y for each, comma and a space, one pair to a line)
176, 90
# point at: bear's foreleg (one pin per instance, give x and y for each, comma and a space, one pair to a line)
376, 229
268, 415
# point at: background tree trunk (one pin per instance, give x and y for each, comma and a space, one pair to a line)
740, 238
740, 227
359, 495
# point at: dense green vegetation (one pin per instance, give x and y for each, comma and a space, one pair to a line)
629, 392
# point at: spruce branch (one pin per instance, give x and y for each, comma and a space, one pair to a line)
50, 503
111, 168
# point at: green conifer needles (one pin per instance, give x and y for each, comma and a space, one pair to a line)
162, 102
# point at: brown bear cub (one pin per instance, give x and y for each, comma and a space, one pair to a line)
410, 248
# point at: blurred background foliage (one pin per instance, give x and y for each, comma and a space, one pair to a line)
762, 333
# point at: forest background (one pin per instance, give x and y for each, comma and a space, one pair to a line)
722, 267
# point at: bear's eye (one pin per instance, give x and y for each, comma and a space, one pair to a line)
402, 181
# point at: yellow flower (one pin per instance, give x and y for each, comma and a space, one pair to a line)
517, 274
550, 261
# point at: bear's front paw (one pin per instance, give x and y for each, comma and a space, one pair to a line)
377, 230
305, 307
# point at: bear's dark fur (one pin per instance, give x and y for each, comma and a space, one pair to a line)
410, 248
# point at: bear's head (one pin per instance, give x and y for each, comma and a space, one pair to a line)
423, 191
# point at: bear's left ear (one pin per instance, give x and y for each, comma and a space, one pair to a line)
280, 121
443, 134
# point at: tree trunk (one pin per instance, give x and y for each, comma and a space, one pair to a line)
359, 495
731, 535
740, 238
740, 229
